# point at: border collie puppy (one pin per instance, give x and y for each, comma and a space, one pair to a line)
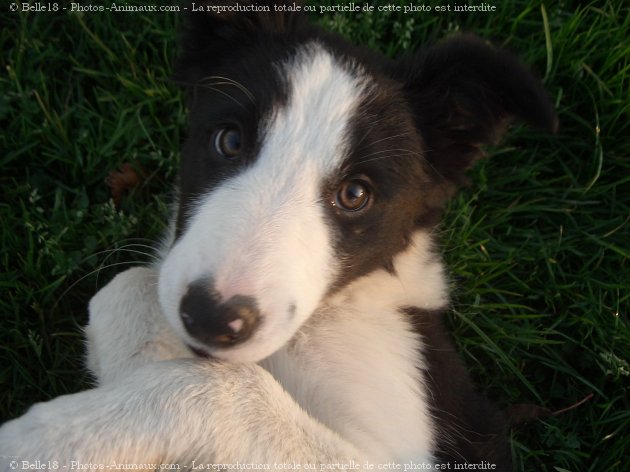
296, 316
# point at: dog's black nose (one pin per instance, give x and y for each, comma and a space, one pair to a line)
217, 324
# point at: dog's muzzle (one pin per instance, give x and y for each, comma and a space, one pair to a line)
213, 322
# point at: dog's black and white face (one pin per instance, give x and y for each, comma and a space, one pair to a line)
310, 163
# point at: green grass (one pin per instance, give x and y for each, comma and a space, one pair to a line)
538, 247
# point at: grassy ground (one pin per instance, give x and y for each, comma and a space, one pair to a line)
538, 247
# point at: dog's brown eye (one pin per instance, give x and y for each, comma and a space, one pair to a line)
352, 195
228, 142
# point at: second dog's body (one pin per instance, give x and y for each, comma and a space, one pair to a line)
303, 262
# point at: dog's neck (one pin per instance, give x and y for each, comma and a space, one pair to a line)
357, 364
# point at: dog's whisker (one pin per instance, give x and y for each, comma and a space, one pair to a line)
212, 85
228, 81
89, 274
374, 121
389, 137
126, 248
225, 94
388, 153
129, 248
150, 251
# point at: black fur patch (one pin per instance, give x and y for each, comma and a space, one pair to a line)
463, 93
384, 149
470, 429
224, 94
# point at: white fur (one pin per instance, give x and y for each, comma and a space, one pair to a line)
263, 233
153, 406
359, 352
165, 409
127, 328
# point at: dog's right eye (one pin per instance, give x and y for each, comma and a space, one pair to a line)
228, 142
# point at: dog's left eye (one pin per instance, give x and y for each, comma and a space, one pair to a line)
353, 195
228, 142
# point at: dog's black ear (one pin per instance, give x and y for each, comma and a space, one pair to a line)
216, 31
463, 92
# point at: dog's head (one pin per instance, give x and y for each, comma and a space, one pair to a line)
311, 162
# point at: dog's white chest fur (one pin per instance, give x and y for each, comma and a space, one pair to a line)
339, 376
358, 351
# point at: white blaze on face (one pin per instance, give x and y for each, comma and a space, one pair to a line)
262, 233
